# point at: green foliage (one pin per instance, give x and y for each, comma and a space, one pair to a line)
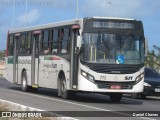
152, 58
2, 54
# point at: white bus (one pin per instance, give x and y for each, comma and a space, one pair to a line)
97, 54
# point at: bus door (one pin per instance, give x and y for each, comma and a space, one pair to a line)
15, 58
35, 58
74, 57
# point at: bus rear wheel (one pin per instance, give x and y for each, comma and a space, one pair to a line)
25, 87
64, 93
115, 97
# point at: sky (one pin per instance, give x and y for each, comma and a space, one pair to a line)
13, 16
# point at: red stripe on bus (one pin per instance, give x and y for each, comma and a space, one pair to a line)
55, 58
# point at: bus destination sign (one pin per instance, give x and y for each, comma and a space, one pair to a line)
118, 25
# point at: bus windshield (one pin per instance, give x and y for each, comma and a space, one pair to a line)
106, 48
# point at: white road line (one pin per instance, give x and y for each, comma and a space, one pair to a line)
87, 106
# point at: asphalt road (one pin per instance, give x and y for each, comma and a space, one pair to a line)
46, 99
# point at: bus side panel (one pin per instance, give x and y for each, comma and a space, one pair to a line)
43, 77
49, 68
24, 64
9, 69
47, 72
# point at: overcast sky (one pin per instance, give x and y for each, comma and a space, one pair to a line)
47, 11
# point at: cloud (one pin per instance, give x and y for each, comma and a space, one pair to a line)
119, 8
32, 17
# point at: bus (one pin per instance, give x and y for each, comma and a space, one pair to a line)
95, 54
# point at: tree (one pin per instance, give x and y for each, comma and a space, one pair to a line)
2, 54
152, 58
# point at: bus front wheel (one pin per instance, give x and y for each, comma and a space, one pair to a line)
116, 97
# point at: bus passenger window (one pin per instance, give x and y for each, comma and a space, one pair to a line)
28, 44
54, 41
61, 35
10, 46
22, 44
45, 43
66, 41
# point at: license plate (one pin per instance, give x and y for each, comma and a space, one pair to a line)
115, 87
157, 89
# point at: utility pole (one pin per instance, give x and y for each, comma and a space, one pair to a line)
26, 14
13, 14
109, 8
77, 9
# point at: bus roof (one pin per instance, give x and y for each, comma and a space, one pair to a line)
56, 24
49, 25
114, 18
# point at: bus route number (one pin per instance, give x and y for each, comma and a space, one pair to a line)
103, 77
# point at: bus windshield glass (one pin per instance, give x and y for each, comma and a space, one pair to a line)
106, 48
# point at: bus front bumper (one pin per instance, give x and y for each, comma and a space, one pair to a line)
102, 87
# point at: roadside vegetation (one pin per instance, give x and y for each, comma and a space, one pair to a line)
2, 54
152, 58
2, 62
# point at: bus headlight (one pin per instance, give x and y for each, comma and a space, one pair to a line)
87, 76
139, 78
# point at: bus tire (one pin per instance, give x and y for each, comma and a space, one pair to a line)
34, 90
135, 95
115, 97
25, 87
63, 92
143, 96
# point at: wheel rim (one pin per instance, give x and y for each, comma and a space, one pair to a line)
63, 86
24, 83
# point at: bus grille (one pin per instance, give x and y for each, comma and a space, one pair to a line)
107, 85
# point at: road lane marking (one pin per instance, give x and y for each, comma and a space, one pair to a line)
77, 104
